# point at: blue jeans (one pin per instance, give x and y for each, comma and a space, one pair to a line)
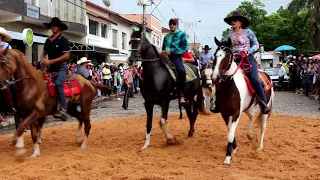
177, 61
59, 80
254, 80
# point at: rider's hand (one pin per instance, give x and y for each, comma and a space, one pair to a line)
46, 62
167, 52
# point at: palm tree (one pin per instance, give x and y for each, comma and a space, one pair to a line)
313, 8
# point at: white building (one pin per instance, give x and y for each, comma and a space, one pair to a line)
109, 32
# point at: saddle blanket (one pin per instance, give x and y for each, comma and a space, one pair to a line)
190, 75
264, 80
71, 87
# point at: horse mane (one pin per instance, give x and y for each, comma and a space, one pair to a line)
163, 59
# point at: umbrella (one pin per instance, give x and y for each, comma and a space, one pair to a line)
285, 48
316, 56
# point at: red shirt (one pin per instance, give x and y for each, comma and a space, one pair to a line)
187, 55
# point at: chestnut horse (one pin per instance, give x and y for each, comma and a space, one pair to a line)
35, 102
233, 96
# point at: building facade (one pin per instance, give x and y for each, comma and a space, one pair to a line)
153, 23
17, 15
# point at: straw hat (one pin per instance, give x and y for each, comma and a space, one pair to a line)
4, 33
90, 64
83, 60
125, 66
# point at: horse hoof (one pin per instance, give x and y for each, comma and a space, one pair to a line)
39, 140
235, 150
144, 147
190, 134
171, 140
227, 161
250, 137
34, 155
83, 147
260, 148
20, 151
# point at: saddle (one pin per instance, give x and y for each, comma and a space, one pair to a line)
264, 80
71, 87
190, 75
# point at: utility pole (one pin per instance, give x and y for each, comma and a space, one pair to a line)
144, 23
143, 3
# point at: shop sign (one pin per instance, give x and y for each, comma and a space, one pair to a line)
33, 11
27, 36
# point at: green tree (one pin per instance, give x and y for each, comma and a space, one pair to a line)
313, 9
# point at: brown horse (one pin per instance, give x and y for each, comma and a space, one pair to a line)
234, 95
36, 103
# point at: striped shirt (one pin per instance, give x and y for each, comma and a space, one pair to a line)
245, 40
176, 42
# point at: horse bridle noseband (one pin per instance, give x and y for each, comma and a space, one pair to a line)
139, 52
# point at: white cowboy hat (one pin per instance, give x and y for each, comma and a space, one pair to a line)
280, 63
125, 66
83, 60
290, 64
106, 64
4, 33
294, 57
90, 64
310, 57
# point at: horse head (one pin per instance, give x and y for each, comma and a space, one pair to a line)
223, 59
141, 48
8, 63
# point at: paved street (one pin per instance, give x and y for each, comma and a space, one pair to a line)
285, 103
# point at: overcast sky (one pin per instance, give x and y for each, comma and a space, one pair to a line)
209, 12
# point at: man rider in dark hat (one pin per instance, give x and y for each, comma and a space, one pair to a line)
58, 51
206, 57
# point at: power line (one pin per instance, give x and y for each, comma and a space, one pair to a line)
162, 15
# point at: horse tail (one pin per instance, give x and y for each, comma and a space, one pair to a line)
102, 87
270, 104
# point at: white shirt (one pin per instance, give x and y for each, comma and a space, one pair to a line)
282, 71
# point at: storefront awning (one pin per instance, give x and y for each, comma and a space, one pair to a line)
105, 50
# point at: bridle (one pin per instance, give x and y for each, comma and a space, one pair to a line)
221, 76
6, 60
138, 54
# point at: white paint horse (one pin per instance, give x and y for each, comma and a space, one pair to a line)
233, 96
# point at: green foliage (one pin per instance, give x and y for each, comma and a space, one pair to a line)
281, 28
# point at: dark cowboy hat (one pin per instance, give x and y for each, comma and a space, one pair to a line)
56, 22
237, 15
206, 47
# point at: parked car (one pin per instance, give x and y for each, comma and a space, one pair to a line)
273, 73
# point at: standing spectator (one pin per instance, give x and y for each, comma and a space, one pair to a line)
128, 80
106, 74
281, 74
305, 73
117, 82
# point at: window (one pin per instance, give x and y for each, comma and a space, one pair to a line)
66, 9
93, 27
124, 41
158, 41
154, 40
57, 8
75, 11
114, 38
104, 30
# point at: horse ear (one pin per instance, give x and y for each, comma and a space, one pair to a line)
218, 43
229, 43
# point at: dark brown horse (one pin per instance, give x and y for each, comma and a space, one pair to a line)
36, 103
234, 97
158, 86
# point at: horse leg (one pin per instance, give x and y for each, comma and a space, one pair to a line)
72, 111
34, 128
192, 113
263, 124
232, 145
180, 110
19, 140
170, 137
250, 113
41, 123
149, 109
85, 116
